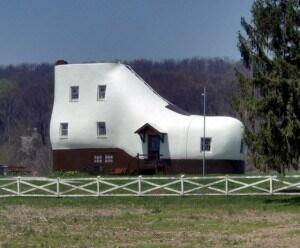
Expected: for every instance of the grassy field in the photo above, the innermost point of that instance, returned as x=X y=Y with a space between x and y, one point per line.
x=150 y=222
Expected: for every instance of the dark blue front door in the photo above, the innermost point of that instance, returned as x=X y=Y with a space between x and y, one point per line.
x=153 y=147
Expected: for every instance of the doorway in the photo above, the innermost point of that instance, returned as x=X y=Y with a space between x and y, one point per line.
x=153 y=147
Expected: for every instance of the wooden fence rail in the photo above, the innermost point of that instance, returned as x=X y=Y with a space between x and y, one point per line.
x=149 y=186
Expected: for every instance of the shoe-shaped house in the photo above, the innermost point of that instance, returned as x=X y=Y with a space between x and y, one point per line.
x=106 y=119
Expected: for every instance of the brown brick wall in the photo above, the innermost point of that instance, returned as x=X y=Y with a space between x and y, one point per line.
x=83 y=160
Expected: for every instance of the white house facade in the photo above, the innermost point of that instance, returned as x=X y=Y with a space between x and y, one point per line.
x=106 y=119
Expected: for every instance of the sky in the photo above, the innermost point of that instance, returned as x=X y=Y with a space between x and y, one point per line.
x=35 y=31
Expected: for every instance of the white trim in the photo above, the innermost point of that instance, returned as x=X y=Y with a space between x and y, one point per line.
x=102 y=137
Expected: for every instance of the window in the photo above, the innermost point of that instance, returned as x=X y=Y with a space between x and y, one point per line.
x=101 y=129
x=97 y=159
x=205 y=144
x=101 y=92
x=242 y=147
x=74 y=93
x=108 y=158
x=64 y=129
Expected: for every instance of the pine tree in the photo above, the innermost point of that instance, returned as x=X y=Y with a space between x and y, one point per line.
x=269 y=99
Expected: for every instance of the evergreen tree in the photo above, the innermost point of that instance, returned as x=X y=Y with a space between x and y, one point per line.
x=269 y=99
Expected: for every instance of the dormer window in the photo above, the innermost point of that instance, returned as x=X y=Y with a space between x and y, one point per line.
x=101 y=129
x=101 y=92
x=74 y=93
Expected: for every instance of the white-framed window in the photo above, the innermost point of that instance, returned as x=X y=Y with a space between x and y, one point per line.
x=205 y=144
x=101 y=92
x=63 y=131
x=101 y=128
x=98 y=159
x=108 y=158
x=74 y=93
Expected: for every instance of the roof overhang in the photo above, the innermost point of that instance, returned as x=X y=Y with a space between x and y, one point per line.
x=150 y=128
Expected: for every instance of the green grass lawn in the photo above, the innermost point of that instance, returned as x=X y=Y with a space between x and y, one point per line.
x=150 y=222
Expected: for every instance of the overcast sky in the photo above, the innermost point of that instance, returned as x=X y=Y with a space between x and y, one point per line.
x=98 y=30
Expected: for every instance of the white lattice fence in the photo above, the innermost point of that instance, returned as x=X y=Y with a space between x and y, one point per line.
x=149 y=186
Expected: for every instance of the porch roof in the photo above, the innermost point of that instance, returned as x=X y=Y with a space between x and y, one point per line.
x=150 y=127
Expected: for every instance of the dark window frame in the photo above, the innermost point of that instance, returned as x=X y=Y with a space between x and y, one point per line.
x=206 y=145
x=242 y=147
x=101 y=92
x=64 y=129
x=74 y=93
x=101 y=129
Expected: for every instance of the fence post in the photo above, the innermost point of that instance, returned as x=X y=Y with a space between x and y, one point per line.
x=18 y=185
x=140 y=185
x=226 y=184
x=182 y=185
x=98 y=185
x=271 y=185
x=57 y=186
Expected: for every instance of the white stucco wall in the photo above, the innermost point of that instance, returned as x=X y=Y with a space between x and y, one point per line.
x=130 y=103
